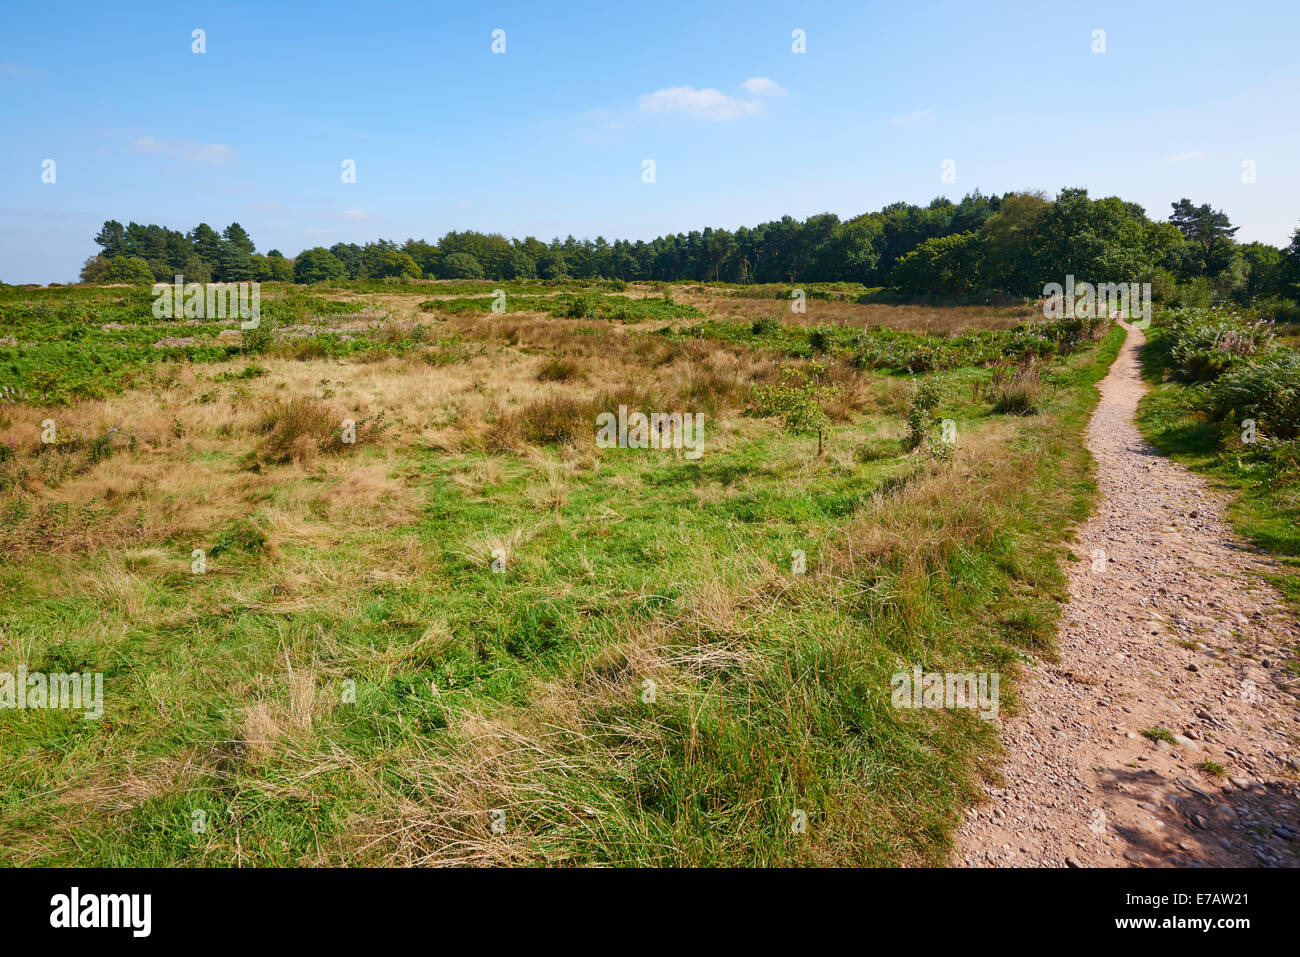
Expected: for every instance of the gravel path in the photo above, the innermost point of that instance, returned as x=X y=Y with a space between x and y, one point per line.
x=1171 y=626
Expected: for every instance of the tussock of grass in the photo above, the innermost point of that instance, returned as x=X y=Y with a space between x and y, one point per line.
x=559 y=369
x=300 y=429
x=1016 y=389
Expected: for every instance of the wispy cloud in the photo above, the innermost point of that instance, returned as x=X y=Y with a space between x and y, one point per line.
x=910 y=119
x=763 y=86
x=1179 y=157
x=192 y=151
x=706 y=104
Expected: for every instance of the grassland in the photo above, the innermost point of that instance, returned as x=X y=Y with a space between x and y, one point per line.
x=645 y=680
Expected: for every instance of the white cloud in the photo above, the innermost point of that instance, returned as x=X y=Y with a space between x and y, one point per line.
x=916 y=116
x=763 y=86
x=192 y=151
x=1179 y=157
x=359 y=214
x=706 y=104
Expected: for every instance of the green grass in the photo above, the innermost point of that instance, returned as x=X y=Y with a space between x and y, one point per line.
x=899 y=351
x=582 y=305
x=62 y=351
x=524 y=690
x=1160 y=734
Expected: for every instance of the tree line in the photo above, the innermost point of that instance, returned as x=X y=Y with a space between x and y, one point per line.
x=1013 y=244
x=136 y=253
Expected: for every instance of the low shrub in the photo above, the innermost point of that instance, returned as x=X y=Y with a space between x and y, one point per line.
x=298 y=429
x=559 y=369
x=923 y=421
x=1205 y=343
x=256 y=341
x=1266 y=390
x=1016 y=389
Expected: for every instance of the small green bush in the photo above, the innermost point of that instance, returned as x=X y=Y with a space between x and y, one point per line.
x=797 y=403
x=257 y=340
x=923 y=421
x=1205 y=343
x=1266 y=390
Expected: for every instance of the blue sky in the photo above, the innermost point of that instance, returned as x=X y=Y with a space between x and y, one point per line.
x=549 y=137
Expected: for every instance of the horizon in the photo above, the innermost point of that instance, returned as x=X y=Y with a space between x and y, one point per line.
x=448 y=135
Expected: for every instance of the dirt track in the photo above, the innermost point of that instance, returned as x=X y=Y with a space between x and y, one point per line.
x=1169 y=625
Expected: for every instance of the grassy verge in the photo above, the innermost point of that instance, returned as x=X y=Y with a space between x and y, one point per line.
x=1263 y=488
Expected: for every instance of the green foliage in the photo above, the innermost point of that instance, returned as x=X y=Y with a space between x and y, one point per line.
x=265 y=269
x=1009 y=247
x=202 y=255
x=1203 y=343
x=1159 y=734
x=131 y=269
x=583 y=306
x=317 y=265
x=587 y=304
x=1209 y=235
x=94 y=269
x=381 y=262
x=461 y=266
x=947 y=265
x=251 y=371
x=953 y=583
x=235 y=259
x=820 y=339
x=257 y=340
x=1012 y=244
x=797 y=402
x=1266 y=390
x=923 y=421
